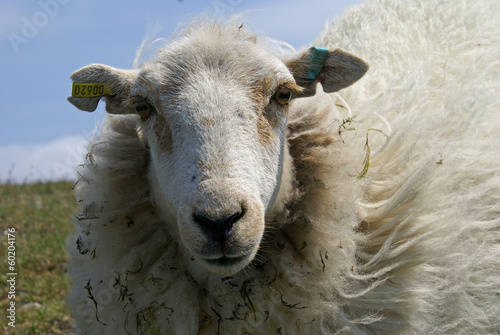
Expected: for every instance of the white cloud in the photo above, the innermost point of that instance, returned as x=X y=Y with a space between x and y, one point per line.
x=55 y=160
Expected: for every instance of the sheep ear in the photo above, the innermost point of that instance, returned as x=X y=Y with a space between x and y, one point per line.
x=96 y=81
x=335 y=70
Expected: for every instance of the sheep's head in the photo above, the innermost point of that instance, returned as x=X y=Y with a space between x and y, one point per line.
x=212 y=110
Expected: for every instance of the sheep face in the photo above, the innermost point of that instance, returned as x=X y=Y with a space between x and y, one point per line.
x=212 y=111
x=216 y=132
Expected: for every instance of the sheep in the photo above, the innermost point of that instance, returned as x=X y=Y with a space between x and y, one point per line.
x=232 y=190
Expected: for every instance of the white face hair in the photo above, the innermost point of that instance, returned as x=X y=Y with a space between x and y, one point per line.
x=212 y=110
x=215 y=154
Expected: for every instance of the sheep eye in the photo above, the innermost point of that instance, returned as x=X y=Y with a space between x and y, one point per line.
x=282 y=96
x=143 y=108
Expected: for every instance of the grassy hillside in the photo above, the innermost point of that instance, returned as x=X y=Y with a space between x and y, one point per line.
x=40 y=214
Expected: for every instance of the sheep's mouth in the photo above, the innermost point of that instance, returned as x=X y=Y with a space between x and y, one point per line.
x=225 y=261
x=226 y=265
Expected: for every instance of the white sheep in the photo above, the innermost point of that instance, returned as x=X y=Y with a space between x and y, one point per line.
x=225 y=195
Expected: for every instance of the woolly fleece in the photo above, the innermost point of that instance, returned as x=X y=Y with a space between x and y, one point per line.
x=397 y=224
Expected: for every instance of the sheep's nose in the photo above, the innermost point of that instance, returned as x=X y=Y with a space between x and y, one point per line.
x=217 y=229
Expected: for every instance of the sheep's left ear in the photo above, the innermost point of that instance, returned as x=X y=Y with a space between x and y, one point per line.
x=335 y=70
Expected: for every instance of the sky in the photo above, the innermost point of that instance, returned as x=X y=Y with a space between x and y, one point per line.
x=42 y=136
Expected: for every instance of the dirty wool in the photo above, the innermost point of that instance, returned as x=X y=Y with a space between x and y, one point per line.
x=236 y=190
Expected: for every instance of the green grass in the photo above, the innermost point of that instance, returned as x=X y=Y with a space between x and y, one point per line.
x=40 y=214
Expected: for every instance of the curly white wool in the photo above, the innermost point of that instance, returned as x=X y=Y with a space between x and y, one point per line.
x=394 y=226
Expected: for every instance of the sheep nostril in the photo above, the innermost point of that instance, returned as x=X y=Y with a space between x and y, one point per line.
x=217 y=228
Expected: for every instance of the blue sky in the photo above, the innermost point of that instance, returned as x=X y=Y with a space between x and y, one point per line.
x=42 y=136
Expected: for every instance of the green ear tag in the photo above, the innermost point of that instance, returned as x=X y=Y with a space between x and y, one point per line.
x=90 y=90
x=317 y=61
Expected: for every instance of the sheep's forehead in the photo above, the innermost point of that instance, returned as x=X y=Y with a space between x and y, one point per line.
x=194 y=62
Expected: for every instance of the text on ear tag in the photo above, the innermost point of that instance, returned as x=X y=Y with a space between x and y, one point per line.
x=90 y=90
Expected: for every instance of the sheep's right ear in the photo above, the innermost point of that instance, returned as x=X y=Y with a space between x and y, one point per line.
x=96 y=81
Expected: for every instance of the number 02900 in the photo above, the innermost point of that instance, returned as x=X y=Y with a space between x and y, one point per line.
x=90 y=90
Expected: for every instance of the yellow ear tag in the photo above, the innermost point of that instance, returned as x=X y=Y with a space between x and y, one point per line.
x=90 y=90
